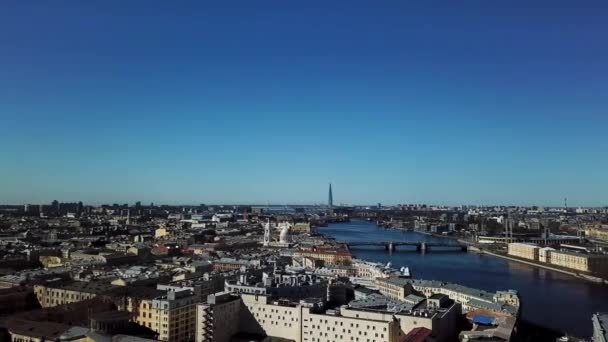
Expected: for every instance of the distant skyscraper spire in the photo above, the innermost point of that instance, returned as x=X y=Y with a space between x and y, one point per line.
x=330 y=200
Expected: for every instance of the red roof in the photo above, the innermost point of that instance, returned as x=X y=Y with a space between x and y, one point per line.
x=416 y=335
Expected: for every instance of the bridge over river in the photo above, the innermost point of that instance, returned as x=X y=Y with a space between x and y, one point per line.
x=391 y=246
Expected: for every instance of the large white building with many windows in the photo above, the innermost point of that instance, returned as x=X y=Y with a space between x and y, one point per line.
x=374 y=319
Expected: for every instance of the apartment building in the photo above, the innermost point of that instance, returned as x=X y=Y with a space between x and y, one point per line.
x=201 y=286
x=376 y=319
x=280 y=284
x=331 y=256
x=218 y=319
x=301 y=227
x=523 y=250
x=229 y=264
x=172 y=315
x=593 y=263
x=597 y=233
x=469 y=298
x=65 y=292
x=349 y=325
x=394 y=288
x=370 y=270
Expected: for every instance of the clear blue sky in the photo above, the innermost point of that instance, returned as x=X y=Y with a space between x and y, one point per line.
x=480 y=102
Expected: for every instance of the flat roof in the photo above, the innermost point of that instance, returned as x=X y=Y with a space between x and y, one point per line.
x=46 y=330
x=83 y=286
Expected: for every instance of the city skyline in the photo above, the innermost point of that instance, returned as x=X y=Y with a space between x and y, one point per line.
x=318 y=171
x=329 y=203
x=401 y=103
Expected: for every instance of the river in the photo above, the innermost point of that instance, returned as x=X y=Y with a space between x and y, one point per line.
x=550 y=299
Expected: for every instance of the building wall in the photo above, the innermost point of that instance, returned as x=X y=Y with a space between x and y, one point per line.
x=523 y=250
x=599 y=265
x=275 y=320
x=226 y=266
x=301 y=228
x=544 y=254
x=391 y=290
x=218 y=322
x=597 y=234
x=596 y=264
x=368 y=271
x=330 y=257
x=173 y=320
x=399 y=292
x=49 y=297
x=301 y=323
x=369 y=326
x=579 y=262
x=599 y=332
x=22 y=338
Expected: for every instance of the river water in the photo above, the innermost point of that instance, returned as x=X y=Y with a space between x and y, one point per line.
x=551 y=299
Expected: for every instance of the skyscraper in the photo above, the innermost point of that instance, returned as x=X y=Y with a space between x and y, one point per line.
x=330 y=200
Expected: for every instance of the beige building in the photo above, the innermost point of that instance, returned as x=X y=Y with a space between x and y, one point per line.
x=307 y=321
x=593 y=263
x=257 y=314
x=62 y=292
x=330 y=256
x=302 y=227
x=228 y=264
x=160 y=233
x=523 y=250
x=172 y=316
x=350 y=325
x=368 y=270
x=50 y=261
x=597 y=233
x=544 y=254
x=393 y=288
x=504 y=302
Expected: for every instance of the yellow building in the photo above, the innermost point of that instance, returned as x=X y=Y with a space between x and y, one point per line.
x=50 y=261
x=331 y=256
x=597 y=233
x=161 y=233
x=61 y=292
x=394 y=288
x=592 y=263
x=523 y=250
x=302 y=227
x=172 y=315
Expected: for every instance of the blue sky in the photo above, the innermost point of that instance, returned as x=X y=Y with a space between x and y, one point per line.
x=480 y=102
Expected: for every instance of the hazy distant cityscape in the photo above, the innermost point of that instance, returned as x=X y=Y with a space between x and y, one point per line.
x=72 y=271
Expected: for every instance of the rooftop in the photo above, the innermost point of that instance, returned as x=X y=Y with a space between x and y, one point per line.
x=38 y=329
x=83 y=286
x=379 y=302
x=602 y=319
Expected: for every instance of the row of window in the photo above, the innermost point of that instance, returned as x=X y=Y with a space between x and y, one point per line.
x=339 y=337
